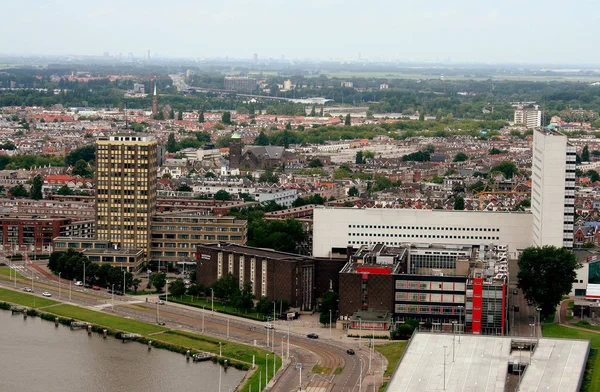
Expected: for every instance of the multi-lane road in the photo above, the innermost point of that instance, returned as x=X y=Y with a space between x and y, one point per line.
x=330 y=355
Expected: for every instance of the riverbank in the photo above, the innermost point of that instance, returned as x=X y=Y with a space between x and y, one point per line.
x=238 y=355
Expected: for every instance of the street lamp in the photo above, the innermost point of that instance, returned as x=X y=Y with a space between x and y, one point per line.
x=220 y=351
x=539 y=321
x=360 y=375
x=460 y=327
x=124 y=288
x=267 y=369
x=212 y=295
x=329 y=324
x=59 y=285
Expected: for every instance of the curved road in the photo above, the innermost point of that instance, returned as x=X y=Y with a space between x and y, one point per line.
x=306 y=351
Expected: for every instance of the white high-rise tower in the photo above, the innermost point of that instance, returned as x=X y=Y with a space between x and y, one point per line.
x=553 y=189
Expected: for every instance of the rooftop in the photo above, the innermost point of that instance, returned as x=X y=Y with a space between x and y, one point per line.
x=481 y=363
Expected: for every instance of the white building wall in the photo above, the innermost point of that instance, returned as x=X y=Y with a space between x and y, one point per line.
x=342 y=227
x=551 y=198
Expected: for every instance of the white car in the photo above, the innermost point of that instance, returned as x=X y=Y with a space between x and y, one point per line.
x=27 y=289
x=46 y=294
x=160 y=302
x=79 y=283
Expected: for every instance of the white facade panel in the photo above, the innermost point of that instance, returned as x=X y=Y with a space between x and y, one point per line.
x=342 y=227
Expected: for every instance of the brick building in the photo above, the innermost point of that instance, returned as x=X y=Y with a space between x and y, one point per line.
x=29 y=233
x=276 y=275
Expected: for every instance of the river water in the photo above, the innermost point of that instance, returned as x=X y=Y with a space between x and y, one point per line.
x=37 y=356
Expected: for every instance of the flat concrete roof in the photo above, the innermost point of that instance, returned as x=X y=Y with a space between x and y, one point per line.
x=481 y=363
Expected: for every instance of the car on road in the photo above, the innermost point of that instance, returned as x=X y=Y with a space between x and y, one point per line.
x=79 y=283
x=160 y=302
x=95 y=288
x=117 y=292
x=27 y=289
x=350 y=352
x=312 y=336
x=46 y=294
x=269 y=326
x=87 y=286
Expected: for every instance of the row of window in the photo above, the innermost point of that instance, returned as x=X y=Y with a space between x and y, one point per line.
x=427 y=309
x=430 y=297
x=426 y=285
x=464 y=237
x=439 y=228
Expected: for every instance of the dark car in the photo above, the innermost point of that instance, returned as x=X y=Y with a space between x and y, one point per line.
x=87 y=286
x=117 y=292
x=312 y=336
x=350 y=351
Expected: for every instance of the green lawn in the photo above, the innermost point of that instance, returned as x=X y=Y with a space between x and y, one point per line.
x=24 y=299
x=592 y=377
x=393 y=352
x=219 y=306
x=105 y=320
x=5 y=271
x=232 y=350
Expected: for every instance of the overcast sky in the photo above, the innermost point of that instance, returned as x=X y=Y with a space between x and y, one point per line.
x=494 y=31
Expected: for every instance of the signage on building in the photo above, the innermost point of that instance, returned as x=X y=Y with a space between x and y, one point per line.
x=205 y=257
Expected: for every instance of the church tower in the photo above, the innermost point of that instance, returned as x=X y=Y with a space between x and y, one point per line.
x=235 y=151
x=154 y=102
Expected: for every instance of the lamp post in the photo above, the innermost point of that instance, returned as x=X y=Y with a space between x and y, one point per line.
x=460 y=310
x=288 y=342
x=266 y=369
x=70 y=291
x=59 y=285
x=220 y=371
x=220 y=351
x=539 y=322
x=445 y=367
x=212 y=298
x=84 y=276
x=329 y=324
x=167 y=291
x=202 y=319
x=124 y=288
x=113 y=297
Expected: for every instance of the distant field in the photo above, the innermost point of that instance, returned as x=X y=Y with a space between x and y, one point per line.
x=417 y=76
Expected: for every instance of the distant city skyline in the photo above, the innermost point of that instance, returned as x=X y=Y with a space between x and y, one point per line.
x=481 y=31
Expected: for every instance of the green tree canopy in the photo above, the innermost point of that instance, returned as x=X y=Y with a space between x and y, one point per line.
x=353 y=191
x=171 y=143
x=36 y=187
x=64 y=191
x=222 y=195
x=509 y=169
x=546 y=274
x=460 y=157
x=225 y=287
x=329 y=302
x=593 y=175
x=87 y=153
x=81 y=169
x=261 y=140
x=177 y=286
x=201 y=117
x=226 y=117
x=585 y=154
x=459 y=203
x=348 y=120
x=359 y=158
x=315 y=163
x=158 y=280
x=19 y=191
x=183 y=187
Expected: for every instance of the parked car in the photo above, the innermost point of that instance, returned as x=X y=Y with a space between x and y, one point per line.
x=350 y=351
x=117 y=292
x=46 y=294
x=160 y=302
x=28 y=289
x=79 y=283
x=312 y=336
x=95 y=288
x=88 y=286
x=269 y=326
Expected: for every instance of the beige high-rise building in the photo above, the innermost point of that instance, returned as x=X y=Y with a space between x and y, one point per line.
x=126 y=167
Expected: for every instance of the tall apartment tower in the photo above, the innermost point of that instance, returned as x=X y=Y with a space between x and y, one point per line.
x=235 y=151
x=530 y=117
x=553 y=189
x=154 y=102
x=126 y=169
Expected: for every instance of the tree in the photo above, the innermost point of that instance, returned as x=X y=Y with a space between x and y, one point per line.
x=171 y=143
x=328 y=303
x=348 y=120
x=359 y=158
x=243 y=299
x=264 y=306
x=496 y=151
x=180 y=115
x=36 y=187
x=177 y=287
x=81 y=169
x=222 y=195
x=593 y=175
x=136 y=284
x=269 y=177
x=509 y=169
x=183 y=187
x=315 y=163
x=546 y=274
x=87 y=153
x=261 y=139
x=159 y=280
x=19 y=191
x=64 y=191
x=459 y=203
x=201 y=117
x=353 y=191
x=225 y=287
x=585 y=154
x=313 y=112
x=172 y=114
x=226 y=118
x=460 y=157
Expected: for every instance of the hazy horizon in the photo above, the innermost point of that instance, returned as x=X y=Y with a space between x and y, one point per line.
x=464 y=31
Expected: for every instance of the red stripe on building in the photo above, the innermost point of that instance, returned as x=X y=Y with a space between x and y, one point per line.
x=477 y=303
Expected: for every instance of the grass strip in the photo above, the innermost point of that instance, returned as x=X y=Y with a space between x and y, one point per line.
x=31 y=301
